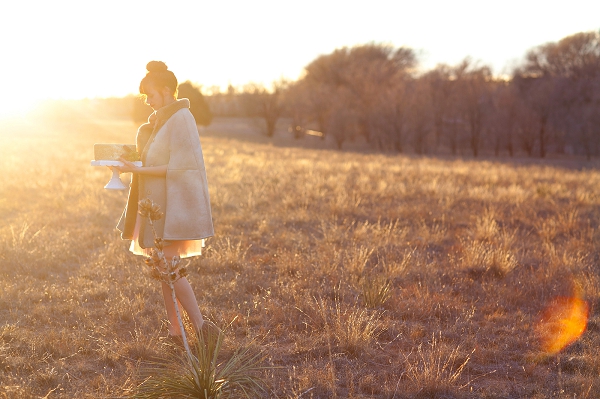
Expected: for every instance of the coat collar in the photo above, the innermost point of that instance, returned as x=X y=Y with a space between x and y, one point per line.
x=164 y=113
x=161 y=116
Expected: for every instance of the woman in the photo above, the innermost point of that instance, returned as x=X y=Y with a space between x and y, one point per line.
x=172 y=176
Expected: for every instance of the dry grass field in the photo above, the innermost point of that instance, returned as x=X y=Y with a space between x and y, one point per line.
x=360 y=275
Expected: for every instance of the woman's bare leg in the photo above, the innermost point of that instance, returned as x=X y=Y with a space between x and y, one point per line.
x=187 y=299
x=171 y=313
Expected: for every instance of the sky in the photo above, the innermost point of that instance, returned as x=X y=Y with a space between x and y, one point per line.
x=88 y=48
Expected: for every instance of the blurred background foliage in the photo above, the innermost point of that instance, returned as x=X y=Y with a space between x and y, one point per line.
x=377 y=95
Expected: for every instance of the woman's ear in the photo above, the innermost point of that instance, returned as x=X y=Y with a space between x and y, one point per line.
x=166 y=92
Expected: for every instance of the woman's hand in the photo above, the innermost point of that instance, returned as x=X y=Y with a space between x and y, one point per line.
x=128 y=167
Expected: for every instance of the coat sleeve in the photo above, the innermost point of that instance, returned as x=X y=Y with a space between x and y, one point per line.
x=126 y=224
x=187 y=214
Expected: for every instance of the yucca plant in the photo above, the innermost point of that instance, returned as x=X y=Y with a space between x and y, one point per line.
x=161 y=269
x=199 y=375
x=203 y=376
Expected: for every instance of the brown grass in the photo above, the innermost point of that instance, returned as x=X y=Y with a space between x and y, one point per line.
x=361 y=275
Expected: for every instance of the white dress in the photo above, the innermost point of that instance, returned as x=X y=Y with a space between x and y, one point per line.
x=181 y=248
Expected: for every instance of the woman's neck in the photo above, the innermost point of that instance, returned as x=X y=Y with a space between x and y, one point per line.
x=169 y=100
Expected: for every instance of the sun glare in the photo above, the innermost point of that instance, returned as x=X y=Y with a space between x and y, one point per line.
x=17 y=108
x=562 y=323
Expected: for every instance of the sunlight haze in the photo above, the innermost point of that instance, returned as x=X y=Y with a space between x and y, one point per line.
x=74 y=49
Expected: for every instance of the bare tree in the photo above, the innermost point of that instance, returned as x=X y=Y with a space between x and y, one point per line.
x=297 y=105
x=320 y=105
x=507 y=105
x=342 y=121
x=496 y=122
x=420 y=116
x=387 y=119
x=581 y=118
x=364 y=72
x=441 y=84
x=539 y=96
x=576 y=56
x=526 y=129
x=556 y=79
x=266 y=104
x=459 y=98
x=474 y=83
x=198 y=106
x=398 y=110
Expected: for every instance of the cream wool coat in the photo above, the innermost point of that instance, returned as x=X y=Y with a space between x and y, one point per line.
x=183 y=193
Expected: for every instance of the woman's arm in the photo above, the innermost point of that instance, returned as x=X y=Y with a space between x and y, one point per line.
x=128 y=167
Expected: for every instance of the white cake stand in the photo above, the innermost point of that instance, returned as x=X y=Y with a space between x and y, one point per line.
x=115 y=182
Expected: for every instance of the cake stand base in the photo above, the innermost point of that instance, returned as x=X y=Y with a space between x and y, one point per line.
x=115 y=182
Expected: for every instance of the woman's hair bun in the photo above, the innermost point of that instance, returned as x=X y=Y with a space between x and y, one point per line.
x=158 y=76
x=156 y=66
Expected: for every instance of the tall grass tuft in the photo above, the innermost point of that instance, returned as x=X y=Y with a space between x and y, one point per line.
x=376 y=291
x=356 y=261
x=354 y=330
x=436 y=369
x=228 y=254
x=484 y=258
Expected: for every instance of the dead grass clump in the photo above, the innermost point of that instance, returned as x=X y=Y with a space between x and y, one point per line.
x=20 y=247
x=4 y=358
x=376 y=291
x=435 y=369
x=481 y=258
x=312 y=381
x=352 y=330
x=382 y=233
x=140 y=347
x=431 y=233
x=356 y=330
x=394 y=262
x=486 y=227
x=222 y=253
x=333 y=233
x=562 y=262
x=355 y=261
x=46 y=379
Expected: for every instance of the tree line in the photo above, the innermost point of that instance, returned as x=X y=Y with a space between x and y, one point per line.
x=550 y=103
x=130 y=107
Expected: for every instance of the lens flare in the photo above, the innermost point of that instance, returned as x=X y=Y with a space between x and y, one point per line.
x=562 y=323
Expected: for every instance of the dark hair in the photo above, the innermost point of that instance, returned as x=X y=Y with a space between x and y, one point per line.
x=158 y=76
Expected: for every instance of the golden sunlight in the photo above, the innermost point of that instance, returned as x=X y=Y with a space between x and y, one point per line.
x=562 y=323
x=16 y=108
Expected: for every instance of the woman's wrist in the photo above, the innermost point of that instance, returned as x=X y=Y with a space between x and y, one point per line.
x=151 y=170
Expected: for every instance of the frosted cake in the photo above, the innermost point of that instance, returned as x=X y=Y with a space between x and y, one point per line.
x=112 y=152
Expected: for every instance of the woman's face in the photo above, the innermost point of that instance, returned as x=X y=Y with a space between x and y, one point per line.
x=155 y=98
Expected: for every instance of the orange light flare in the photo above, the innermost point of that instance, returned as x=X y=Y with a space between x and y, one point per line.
x=562 y=323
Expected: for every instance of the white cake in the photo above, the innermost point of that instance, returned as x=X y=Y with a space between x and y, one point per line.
x=112 y=152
